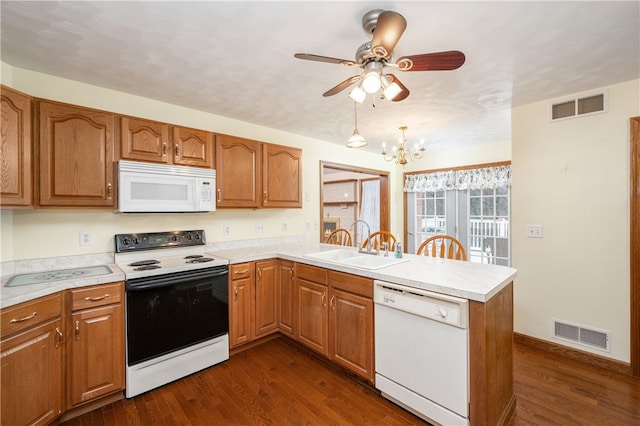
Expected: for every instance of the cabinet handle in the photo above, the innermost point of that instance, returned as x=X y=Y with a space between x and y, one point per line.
x=291 y=271
x=109 y=190
x=77 y=330
x=219 y=194
x=177 y=150
x=164 y=148
x=235 y=293
x=264 y=196
x=244 y=271
x=259 y=274
x=331 y=303
x=59 y=334
x=323 y=297
x=28 y=317
x=95 y=299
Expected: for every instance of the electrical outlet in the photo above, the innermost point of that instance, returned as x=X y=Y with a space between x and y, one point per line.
x=316 y=225
x=534 y=231
x=259 y=228
x=226 y=229
x=307 y=226
x=86 y=238
x=284 y=226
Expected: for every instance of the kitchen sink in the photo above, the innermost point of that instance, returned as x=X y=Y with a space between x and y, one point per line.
x=372 y=262
x=356 y=259
x=333 y=255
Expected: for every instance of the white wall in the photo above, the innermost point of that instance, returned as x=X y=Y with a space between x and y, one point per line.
x=572 y=177
x=29 y=234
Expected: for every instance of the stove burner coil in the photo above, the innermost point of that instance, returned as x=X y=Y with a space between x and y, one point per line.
x=147 y=267
x=145 y=262
x=200 y=260
x=194 y=256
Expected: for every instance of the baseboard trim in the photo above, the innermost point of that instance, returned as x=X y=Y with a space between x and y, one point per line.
x=594 y=360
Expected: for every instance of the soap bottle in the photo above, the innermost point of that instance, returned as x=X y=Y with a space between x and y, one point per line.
x=398 y=253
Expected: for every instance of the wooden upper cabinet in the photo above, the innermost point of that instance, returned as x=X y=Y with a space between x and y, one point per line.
x=238 y=169
x=144 y=140
x=15 y=149
x=281 y=176
x=192 y=147
x=77 y=154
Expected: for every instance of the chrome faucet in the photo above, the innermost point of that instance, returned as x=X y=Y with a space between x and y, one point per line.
x=368 y=249
x=385 y=247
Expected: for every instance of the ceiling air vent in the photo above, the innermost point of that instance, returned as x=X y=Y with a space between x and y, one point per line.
x=586 y=336
x=579 y=106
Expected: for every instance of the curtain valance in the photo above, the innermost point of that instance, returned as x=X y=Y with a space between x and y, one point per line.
x=482 y=178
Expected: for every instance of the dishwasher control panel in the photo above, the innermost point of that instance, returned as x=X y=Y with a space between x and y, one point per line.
x=435 y=306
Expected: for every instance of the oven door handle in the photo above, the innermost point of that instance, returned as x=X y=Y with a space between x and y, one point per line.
x=146 y=283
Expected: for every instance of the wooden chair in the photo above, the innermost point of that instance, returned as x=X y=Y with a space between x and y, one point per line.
x=379 y=237
x=443 y=246
x=340 y=237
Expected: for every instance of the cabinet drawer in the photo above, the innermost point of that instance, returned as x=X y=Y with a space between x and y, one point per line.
x=240 y=270
x=28 y=314
x=352 y=283
x=311 y=273
x=99 y=295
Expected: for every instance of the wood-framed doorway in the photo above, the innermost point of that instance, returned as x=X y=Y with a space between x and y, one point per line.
x=635 y=246
x=385 y=200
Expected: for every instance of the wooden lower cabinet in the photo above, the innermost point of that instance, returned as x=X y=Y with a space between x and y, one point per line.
x=266 y=301
x=96 y=361
x=335 y=317
x=241 y=295
x=287 y=297
x=351 y=323
x=32 y=362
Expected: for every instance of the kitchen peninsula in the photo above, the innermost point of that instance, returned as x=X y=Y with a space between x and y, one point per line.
x=488 y=289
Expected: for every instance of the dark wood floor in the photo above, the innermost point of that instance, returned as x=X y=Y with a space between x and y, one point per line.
x=276 y=383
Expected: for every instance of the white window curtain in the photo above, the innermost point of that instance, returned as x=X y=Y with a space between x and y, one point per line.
x=370 y=206
x=483 y=178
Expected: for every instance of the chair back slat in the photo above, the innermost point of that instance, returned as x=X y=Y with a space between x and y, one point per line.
x=341 y=237
x=443 y=246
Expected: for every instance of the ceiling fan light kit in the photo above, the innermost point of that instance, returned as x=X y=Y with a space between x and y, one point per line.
x=385 y=29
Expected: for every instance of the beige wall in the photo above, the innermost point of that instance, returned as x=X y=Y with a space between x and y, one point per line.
x=572 y=177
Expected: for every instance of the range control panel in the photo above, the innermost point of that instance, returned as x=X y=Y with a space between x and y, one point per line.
x=158 y=240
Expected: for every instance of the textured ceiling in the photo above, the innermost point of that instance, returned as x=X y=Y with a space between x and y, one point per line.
x=235 y=59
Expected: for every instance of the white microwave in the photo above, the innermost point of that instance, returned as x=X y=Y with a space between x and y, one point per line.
x=160 y=188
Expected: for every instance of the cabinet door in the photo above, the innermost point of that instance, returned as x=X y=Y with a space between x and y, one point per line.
x=281 y=176
x=193 y=147
x=286 y=297
x=76 y=156
x=351 y=331
x=240 y=311
x=313 y=324
x=144 y=140
x=15 y=149
x=31 y=376
x=266 y=301
x=238 y=168
x=97 y=361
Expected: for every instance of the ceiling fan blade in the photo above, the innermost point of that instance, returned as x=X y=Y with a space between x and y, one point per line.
x=341 y=86
x=389 y=28
x=318 y=58
x=405 y=92
x=440 y=61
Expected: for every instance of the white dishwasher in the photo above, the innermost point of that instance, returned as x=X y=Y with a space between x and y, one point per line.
x=421 y=352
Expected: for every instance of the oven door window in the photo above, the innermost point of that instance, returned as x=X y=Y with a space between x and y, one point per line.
x=170 y=317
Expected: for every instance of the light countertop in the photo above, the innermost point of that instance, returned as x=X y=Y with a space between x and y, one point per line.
x=467 y=280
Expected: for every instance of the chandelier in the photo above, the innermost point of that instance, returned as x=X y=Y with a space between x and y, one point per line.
x=402 y=154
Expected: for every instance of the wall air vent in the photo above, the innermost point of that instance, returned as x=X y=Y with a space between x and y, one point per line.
x=582 y=335
x=594 y=103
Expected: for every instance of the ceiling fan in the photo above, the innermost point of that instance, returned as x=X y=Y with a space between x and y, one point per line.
x=374 y=56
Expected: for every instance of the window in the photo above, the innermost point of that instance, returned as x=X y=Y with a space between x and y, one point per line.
x=472 y=205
